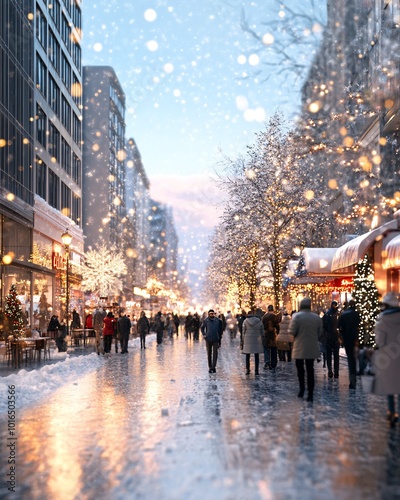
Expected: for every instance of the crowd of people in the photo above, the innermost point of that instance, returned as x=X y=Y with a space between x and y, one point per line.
x=303 y=336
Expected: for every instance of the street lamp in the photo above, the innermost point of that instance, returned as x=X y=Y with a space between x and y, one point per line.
x=66 y=238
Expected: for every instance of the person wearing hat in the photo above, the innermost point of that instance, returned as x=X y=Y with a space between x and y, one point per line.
x=306 y=328
x=386 y=360
x=331 y=333
x=211 y=329
x=349 y=321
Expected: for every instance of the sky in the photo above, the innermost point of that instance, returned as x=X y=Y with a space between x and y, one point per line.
x=198 y=87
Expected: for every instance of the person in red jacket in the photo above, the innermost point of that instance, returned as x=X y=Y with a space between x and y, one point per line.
x=108 y=331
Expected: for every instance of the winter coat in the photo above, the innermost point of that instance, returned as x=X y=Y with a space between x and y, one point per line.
x=212 y=329
x=386 y=359
x=284 y=335
x=306 y=328
x=348 y=324
x=271 y=327
x=124 y=325
x=143 y=326
x=253 y=334
x=109 y=326
x=98 y=318
x=89 y=322
x=330 y=325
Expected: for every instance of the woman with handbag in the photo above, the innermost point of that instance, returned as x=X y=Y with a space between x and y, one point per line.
x=386 y=359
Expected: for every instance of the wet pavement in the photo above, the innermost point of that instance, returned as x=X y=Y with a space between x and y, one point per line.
x=155 y=424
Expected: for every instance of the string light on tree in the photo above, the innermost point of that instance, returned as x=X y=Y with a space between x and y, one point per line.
x=366 y=296
x=13 y=311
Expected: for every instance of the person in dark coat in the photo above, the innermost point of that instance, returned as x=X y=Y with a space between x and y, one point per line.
x=159 y=323
x=331 y=332
x=54 y=326
x=306 y=328
x=271 y=322
x=348 y=323
x=252 y=335
x=124 y=329
x=143 y=328
x=211 y=329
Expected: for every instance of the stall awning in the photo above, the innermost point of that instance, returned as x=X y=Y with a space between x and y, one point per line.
x=355 y=250
x=392 y=249
x=318 y=260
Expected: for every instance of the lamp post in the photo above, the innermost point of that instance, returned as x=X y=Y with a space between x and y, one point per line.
x=66 y=238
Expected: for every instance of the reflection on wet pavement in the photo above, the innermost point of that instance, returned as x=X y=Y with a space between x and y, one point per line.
x=155 y=423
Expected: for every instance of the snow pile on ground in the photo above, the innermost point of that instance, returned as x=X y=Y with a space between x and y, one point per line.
x=33 y=385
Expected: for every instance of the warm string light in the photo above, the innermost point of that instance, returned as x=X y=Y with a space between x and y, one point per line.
x=366 y=296
x=13 y=311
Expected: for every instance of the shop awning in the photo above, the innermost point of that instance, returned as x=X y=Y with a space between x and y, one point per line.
x=392 y=249
x=318 y=260
x=355 y=250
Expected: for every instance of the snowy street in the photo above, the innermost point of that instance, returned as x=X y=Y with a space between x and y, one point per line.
x=155 y=424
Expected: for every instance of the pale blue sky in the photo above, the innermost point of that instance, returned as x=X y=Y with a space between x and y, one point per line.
x=183 y=67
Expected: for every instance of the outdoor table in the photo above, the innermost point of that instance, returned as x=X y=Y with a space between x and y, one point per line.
x=16 y=348
x=78 y=334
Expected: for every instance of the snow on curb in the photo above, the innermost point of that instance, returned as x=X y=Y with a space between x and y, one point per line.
x=34 y=385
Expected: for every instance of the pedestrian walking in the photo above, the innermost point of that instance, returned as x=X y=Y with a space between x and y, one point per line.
x=284 y=340
x=211 y=329
x=159 y=323
x=98 y=323
x=331 y=332
x=108 y=331
x=386 y=359
x=123 y=330
x=252 y=340
x=306 y=328
x=176 y=323
x=271 y=322
x=143 y=327
x=348 y=323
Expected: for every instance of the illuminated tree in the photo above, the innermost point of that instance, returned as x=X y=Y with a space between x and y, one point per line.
x=13 y=311
x=102 y=271
x=273 y=204
x=366 y=296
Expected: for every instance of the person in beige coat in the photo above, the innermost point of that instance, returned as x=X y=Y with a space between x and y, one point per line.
x=284 y=340
x=386 y=360
x=252 y=340
x=306 y=328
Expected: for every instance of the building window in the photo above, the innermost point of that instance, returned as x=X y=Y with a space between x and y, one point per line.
x=41 y=27
x=54 y=9
x=65 y=156
x=54 y=51
x=66 y=114
x=76 y=91
x=54 y=142
x=41 y=120
x=66 y=32
x=41 y=75
x=76 y=209
x=77 y=16
x=77 y=130
x=41 y=178
x=54 y=96
x=77 y=55
x=66 y=71
x=54 y=190
x=76 y=169
x=65 y=200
